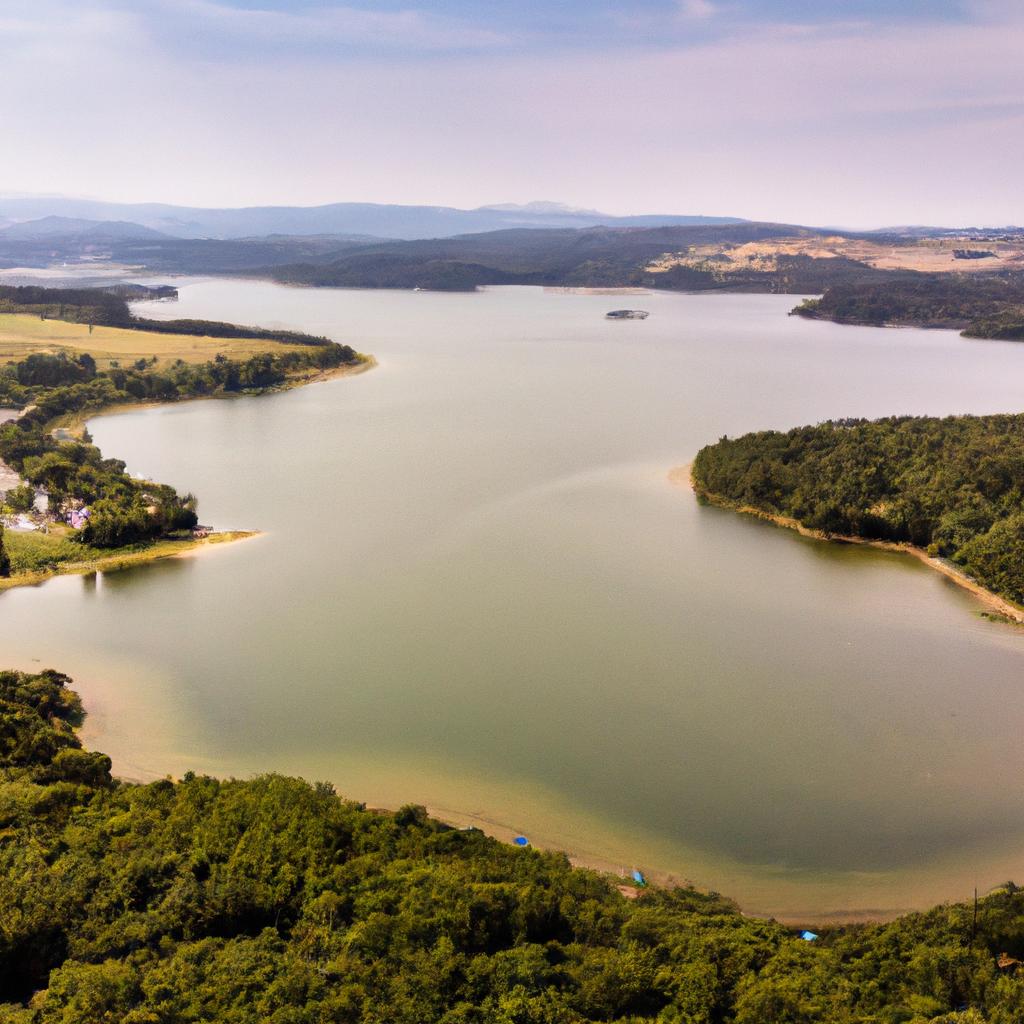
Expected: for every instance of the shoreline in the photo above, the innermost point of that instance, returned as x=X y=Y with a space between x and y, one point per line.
x=119 y=560
x=682 y=476
x=74 y=423
x=888 y=325
x=655 y=878
x=615 y=870
x=505 y=834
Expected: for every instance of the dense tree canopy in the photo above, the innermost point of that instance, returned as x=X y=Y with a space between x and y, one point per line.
x=275 y=900
x=954 y=486
x=985 y=305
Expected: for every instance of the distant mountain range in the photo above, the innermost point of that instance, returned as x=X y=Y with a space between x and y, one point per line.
x=39 y=216
x=77 y=229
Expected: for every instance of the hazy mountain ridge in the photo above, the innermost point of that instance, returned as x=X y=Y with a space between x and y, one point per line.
x=78 y=228
x=379 y=220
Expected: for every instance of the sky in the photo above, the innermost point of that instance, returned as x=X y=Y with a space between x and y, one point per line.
x=858 y=113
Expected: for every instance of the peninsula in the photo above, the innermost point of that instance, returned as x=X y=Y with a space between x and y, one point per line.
x=74 y=353
x=979 y=305
x=949 y=490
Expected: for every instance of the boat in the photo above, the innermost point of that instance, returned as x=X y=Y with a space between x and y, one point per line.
x=627 y=314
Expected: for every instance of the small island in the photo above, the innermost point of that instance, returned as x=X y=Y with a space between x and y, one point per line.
x=949 y=490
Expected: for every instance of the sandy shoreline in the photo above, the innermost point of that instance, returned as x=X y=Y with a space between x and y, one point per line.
x=682 y=476
x=617 y=872
x=115 y=562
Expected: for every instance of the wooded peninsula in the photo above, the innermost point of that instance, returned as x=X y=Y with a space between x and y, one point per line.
x=953 y=487
x=96 y=514
x=982 y=306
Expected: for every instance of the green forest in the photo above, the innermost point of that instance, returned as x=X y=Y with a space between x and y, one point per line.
x=983 y=305
x=953 y=486
x=276 y=900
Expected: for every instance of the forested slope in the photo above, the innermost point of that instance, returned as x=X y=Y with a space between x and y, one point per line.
x=982 y=305
x=275 y=900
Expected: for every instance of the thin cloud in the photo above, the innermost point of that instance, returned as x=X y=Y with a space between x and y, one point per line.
x=330 y=27
x=858 y=123
x=697 y=10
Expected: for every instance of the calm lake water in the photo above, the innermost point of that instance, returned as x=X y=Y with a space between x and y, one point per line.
x=478 y=590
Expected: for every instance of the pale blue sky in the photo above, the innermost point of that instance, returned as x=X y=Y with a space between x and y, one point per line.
x=860 y=112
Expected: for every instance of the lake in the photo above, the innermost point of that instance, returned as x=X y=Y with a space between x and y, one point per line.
x=478 y=590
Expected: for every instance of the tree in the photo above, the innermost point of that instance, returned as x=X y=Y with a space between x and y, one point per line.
x=20 y=498
x=5 y=560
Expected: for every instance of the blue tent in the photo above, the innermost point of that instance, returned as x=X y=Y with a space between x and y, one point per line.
x=639 y=878
x=808 y=936
x=521 y=841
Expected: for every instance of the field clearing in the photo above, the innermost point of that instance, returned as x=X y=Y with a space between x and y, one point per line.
x=36 y=557
x=930 y=255
x=23 y=334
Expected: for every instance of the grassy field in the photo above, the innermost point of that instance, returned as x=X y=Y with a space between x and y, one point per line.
x=38 y=556
x=21 y=335
x=928 y=255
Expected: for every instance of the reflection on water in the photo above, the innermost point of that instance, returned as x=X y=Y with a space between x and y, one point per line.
x=477 y=590
x=127 y=581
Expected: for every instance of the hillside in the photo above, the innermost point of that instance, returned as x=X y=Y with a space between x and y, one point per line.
x=737 y=256
x=107 y=307
x=595 y=257
x=70 y=229
x=273 y=899
x=984 y=306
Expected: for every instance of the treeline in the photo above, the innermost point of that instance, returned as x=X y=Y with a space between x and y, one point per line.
x=76 y=305
x=109 y=308
x=59 y=383
x=954 y=486
x=984 y=305
x=1005 y=326
x=383 y=271
x=275 y=900
x=218 y=329
x=123 y=510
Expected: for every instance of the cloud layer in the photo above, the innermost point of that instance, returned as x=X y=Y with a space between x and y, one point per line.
x=713 y=107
